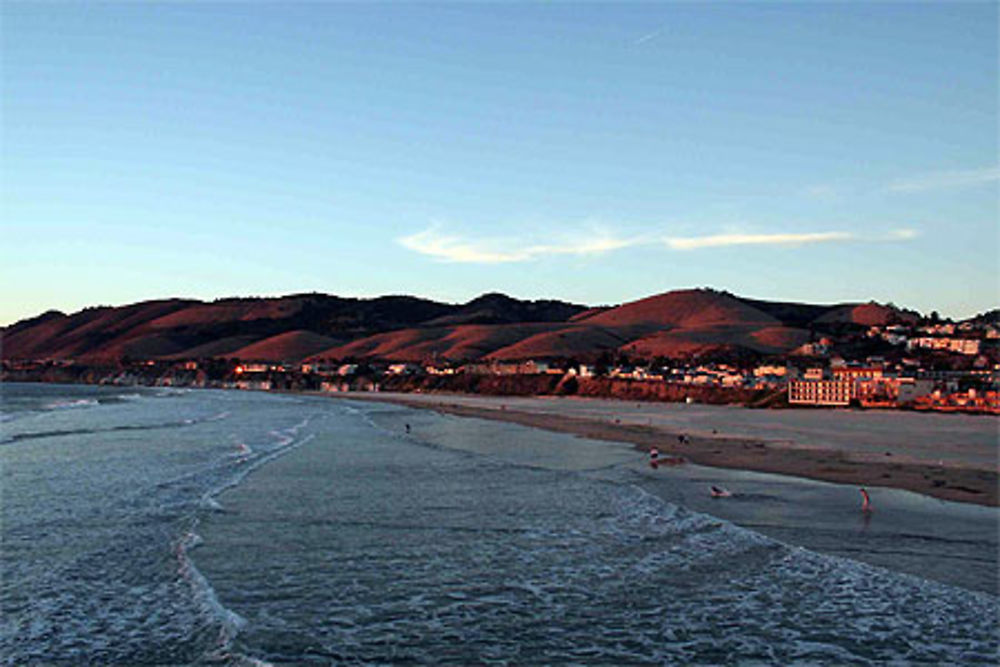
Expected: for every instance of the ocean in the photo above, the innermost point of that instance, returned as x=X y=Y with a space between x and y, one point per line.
x=171 y=526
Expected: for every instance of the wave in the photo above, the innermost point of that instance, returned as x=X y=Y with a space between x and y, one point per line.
x=205 y=597
x=76 y=403
x=230 y=623
x=56 y=433
x=73 y=403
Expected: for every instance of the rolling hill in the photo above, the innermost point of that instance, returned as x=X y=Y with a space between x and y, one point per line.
x=404 y=328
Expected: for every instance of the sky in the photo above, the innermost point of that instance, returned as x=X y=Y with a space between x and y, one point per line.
x=592 y=153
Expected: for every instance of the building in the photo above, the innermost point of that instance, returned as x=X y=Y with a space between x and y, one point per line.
x=403 y=369
x=774 y=370
x=819 y=349
x=583 y=370
x=968 y=346
x=821 y=392
x=334 y=386
x=318 y=367
x=857 y=373
x=815 y=373
x=891 y=391
x=253 y=385
x=530 y=367
x=253 y=368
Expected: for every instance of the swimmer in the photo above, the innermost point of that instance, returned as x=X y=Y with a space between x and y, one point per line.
x=407 y=428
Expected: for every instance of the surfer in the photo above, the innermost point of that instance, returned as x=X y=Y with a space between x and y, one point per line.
x=719 y=492
x=866 y=504
x=407 y=428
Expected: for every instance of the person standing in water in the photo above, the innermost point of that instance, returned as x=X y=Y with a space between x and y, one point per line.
x=866 y=504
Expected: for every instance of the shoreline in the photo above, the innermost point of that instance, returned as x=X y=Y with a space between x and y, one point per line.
x=956 y=483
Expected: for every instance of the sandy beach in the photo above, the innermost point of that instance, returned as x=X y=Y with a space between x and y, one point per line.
x=959 y=473
x=461 y=537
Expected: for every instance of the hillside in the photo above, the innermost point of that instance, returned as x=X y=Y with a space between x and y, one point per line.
x=867 y=314
x=290 y=346
x=404 y=328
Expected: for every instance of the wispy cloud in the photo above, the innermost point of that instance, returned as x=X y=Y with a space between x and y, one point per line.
x=449 y=248
x=901 y=235
x=648 y=36
x=946 y=179
x=444 y=247
x=722 y=240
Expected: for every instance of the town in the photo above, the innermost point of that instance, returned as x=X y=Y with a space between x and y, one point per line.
x=939 y=366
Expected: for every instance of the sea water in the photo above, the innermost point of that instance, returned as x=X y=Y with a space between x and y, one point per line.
x=170 y=526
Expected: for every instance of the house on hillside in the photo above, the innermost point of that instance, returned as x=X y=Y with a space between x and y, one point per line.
x=968 y=346
x=817 y=349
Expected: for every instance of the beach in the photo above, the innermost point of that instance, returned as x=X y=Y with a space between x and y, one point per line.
x=951 y=457
x=953 y=542
x=168 y=526
x=468 y=540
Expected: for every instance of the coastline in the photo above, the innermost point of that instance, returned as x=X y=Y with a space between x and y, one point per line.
x=955 y=482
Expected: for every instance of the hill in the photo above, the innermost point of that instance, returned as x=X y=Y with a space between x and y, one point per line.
x=290 y=346
x=404 y=328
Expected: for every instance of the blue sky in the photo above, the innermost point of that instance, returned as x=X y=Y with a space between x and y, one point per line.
x=593 y=153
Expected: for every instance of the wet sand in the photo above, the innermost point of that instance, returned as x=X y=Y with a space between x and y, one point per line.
x=951 y=542
x=967 y=481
